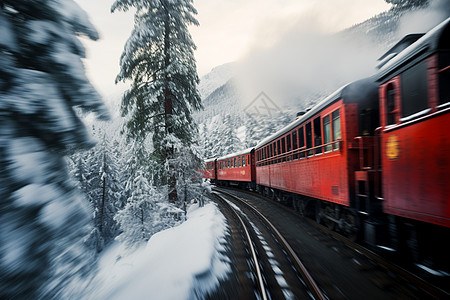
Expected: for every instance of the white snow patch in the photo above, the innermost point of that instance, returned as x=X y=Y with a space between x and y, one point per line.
x=184 y=262
x=240 y=133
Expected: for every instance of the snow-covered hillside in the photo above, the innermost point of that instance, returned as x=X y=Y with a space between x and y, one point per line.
x=214 y=79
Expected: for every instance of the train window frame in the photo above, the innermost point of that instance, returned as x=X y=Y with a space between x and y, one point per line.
x=309 y=139
x=239 y=162
x=414 y=89
x=301 y=140
x=294 y=143
x=391 y=104
x=326 y=123
x=317 y=129
x=336 y=130
x=288 y=143
x=443 y=77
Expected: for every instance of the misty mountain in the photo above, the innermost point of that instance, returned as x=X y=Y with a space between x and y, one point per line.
x=305 y=66
x=216 y=78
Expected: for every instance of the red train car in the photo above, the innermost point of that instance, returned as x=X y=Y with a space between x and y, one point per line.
x=415 y=139
x=237 y=168
x=315 y=156
x=210 y=171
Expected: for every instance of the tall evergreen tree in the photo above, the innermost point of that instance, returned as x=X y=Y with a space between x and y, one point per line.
x=42 y=79
x=407 y=4
x=159 y=60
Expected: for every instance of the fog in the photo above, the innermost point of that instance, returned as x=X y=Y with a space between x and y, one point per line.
x=305 y=61
x=424 y=20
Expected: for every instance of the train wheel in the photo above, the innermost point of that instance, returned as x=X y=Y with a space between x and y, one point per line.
x=351 y=225
x=318 y=213
x=329 y=211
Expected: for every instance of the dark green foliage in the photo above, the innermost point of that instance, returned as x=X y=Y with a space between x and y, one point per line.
x=407 y=4
x=43 y=219
x=159 y=60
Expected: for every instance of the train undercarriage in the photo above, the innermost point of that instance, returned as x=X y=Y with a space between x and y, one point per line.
x=406 y=240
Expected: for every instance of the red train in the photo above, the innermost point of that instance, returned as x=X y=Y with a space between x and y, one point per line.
x=372 y=159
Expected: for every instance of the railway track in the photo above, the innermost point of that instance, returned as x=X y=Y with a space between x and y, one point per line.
x=278 y=271
x=385 y=274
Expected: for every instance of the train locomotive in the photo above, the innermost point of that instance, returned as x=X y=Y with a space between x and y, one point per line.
x=372 y=159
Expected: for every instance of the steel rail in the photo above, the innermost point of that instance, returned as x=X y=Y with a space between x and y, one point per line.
x=260 y=280
x=430 y=289
x=317 y=293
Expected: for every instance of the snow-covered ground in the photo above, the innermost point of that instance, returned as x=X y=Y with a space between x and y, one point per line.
x=184 y=262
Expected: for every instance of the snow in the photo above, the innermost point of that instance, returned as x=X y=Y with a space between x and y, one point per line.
x=183 y=262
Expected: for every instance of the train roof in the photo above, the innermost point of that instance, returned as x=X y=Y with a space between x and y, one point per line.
x=423 y=47
x=356 y=91
x=210 y=159
x=242 y=152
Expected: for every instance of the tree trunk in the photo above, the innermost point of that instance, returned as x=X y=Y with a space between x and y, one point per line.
x=168 y=111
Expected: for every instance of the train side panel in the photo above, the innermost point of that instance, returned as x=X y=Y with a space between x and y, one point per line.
x=416 y=169
x=229 y=172
x=328 y=175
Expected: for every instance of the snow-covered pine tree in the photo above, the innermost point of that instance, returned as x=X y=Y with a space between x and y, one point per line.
x=407 y=4
x=223 y=138
x=159 y=60
x=42 y=79
x=140 y=213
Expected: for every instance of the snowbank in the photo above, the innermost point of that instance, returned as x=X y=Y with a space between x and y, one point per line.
x=184 y=262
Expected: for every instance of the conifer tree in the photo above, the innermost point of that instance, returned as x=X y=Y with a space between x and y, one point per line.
x=42 y=79
x=407 y=4
x=158 y=59
x=137 y=220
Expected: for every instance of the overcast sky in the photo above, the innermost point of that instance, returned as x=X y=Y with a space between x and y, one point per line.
x=228 y=29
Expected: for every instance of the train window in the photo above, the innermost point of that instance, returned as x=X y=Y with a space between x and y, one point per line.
x=327 y=133
x=294 y=143
x=414 y=89
x=309 y=145
x=444 y=76
x=283 y=145
x=235 y=162
x=390 y=105
x=266 y=150
x=301 y=141
x=317 y=135
x=270 y=150
x=243 y=161
x=294 y=140
x=336 y=128
x=279 y=147
x=239 y=162
x=288 y=142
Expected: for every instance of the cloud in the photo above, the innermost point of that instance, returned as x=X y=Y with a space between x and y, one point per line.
x=306 y=59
